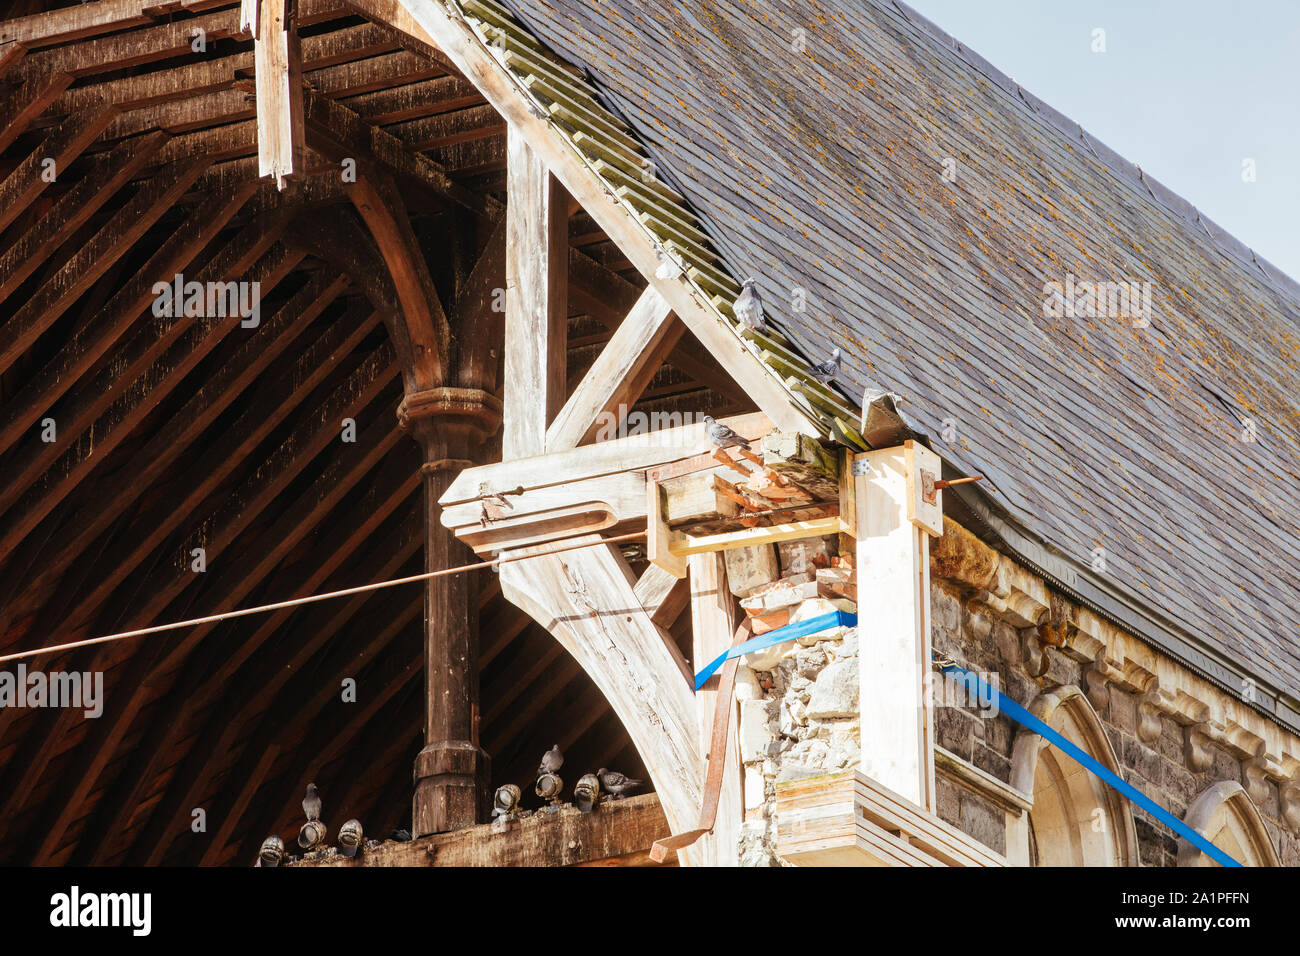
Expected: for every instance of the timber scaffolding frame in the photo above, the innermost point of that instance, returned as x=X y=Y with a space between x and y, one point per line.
x=196 y=461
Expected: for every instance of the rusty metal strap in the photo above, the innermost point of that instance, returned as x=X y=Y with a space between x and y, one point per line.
x=717 y=760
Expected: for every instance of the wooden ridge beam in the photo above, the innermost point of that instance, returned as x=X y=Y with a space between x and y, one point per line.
x=87 y=20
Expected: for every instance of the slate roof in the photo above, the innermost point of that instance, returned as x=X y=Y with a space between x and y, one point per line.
x=818 y=165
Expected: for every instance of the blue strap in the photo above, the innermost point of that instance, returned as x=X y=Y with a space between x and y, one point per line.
x=1017 y=713
x=778 y=636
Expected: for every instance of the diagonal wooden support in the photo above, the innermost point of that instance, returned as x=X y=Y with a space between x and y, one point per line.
x=620 y=373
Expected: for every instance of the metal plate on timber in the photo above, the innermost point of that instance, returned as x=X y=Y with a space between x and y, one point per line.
x=923 y=510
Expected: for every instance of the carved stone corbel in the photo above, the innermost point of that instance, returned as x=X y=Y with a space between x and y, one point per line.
x=1148 y=715
x=1289 y=792
x=1196 y=748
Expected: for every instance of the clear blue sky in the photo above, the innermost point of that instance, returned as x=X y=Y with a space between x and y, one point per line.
x=1186 y=89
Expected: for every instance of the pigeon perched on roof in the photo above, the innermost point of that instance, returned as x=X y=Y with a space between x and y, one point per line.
x=722 y=436
x=552 y=760
x=826 y=372
x=749 y=308
x=402 y=835
x=616 y=783
x=311 y=803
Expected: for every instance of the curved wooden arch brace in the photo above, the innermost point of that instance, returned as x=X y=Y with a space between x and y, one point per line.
x=1200 y=816
x=1027 y=747
x=585 y=599
x=424 y=326
x=422 y=337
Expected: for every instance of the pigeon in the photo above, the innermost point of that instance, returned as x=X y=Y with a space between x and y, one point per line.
x=350 y=838
x=586 y=794
x=402 y=835
x=311 y=803
x=825 y=372
x=748 y=308
x=505 y=801
x=722 y=436
x=552 y=760
x=616 y=783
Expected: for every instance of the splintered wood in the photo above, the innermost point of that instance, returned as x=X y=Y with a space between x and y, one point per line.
x=734 y=497
x=277 y=61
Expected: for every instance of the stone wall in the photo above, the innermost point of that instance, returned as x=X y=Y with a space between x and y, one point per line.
x=799 y=701
x=1151 y=748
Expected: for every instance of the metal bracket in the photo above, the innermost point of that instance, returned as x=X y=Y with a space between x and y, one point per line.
x=860 y=467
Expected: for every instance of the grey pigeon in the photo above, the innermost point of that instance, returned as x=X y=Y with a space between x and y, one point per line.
x=749 y=308
x=586 y=794
x=616 y=783
x=552 y=760
x=721 y=435
x=402 y=835
x=311 y=803
x=825 y=372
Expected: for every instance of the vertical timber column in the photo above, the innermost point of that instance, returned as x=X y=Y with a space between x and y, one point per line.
x=537 y=308
x=893 y=569
x=713 y=625
x=277 y=61
x=452 y=771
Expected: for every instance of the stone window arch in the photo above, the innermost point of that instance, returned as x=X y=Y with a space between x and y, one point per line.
x=1076 y=819
x=1226 y=816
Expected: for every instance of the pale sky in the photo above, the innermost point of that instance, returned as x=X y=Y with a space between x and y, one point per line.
x=1187 y=89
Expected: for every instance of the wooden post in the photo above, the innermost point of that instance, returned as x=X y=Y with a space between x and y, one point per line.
x=277 y=62
x=537 y=269
x=712 y=614
x=893 y=566
x=451 y=772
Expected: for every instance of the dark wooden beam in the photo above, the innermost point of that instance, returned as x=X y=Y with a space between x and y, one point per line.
x=622 y=830
x=74 y=208
x=116 y=237
x=64 y=144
